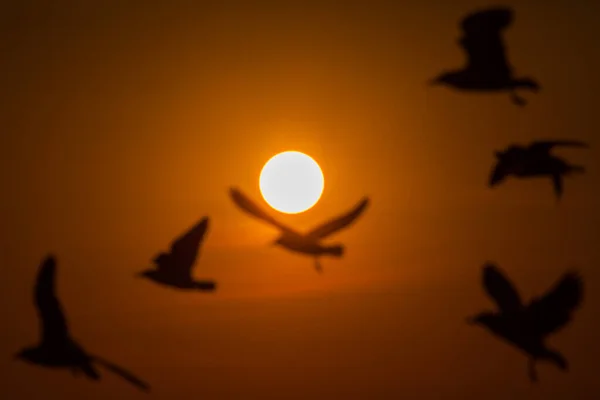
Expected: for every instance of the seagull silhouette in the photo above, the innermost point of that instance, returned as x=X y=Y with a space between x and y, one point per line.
x=487 y=67
x=308 y=243
x=535 y=160
x=527 y=326
x=174 y=269
x=57 y=349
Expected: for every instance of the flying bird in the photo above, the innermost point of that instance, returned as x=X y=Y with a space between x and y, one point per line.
x=174 y=268
x=57 y=349
x=306 y=243
x=487 y=68
x=535 y=160
x=526 y=326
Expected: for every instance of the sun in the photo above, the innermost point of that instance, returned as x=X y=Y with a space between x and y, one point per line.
x=291 y=182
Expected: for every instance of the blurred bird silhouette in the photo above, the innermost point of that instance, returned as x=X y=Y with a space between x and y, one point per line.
x=308 y=243
x=535 y=160
x=527 y=326
x=174 y=269
x=487 y=67
x=57 y=349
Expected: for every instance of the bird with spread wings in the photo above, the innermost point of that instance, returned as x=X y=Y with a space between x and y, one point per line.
x=306 y=243
x=174 y=269
x=487 y=67
x=535 y=160
x=57 y=349
x=526 y=326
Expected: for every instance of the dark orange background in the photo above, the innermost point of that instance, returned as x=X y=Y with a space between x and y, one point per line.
x=122 y=123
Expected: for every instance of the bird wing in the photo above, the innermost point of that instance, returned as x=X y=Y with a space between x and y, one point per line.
x=53 y=322
x=123 y=373
x=482 y=40
x=243 y=202
x=185 y=249
x=501 y=289
x=554 y=310
x=340 y=222
x=547 y=145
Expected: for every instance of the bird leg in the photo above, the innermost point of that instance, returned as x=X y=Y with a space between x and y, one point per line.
x=533 y=376
x=318 y=266
x=516 y=99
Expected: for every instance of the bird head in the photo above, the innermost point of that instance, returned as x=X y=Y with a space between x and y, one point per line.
x=277 y=241
x=145 y=274
x=445 y=78
x=485 y=318
x=28 y=354
x=161 y=259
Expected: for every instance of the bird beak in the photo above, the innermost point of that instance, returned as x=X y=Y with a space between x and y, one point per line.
x=433 y=82
x=471 y=320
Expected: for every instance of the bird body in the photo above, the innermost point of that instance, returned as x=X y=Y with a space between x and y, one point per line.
x=534 y=160
x=309 y=243
x=487 y=68
x=174 y=269
x=57 y=349
x=305 y=244
x=67 y=355
x=527 y=326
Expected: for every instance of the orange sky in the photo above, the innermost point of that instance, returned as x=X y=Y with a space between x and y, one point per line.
x=124 y=124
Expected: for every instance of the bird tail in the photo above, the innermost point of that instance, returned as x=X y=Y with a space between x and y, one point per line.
x=207 y=286
x=123 y=373
x=557 y=359
x=335 y=251
x=527 y=83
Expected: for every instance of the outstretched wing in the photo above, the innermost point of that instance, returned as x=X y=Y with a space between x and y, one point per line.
x=339 y=223
x=123 y=373
x=547 y=145
x=243 y=202
x=53 y=322
x=554 y=310
x=501 y=289
x=483 y=42
x=185 y=249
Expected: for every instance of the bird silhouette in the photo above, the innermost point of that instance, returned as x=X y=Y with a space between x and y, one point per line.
x=57 y=349
x=487 y=68
x=535 y=160
x=527 y=326
x=308 y=243
x=174 y=269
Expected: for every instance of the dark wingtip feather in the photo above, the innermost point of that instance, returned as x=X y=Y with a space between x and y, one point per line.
x=489 y=266
x=47 y=270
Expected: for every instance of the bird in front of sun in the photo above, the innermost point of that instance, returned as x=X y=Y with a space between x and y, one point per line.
x=292 y=182
x=57 y=349
x=535 y=160
x=174 y=268
x=306 y=243
x=487 y=68
x=526 y=326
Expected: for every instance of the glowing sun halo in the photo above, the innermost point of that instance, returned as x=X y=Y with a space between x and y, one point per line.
x=291 y=182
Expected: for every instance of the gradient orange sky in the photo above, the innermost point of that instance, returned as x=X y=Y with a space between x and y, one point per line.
x=123 y=123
